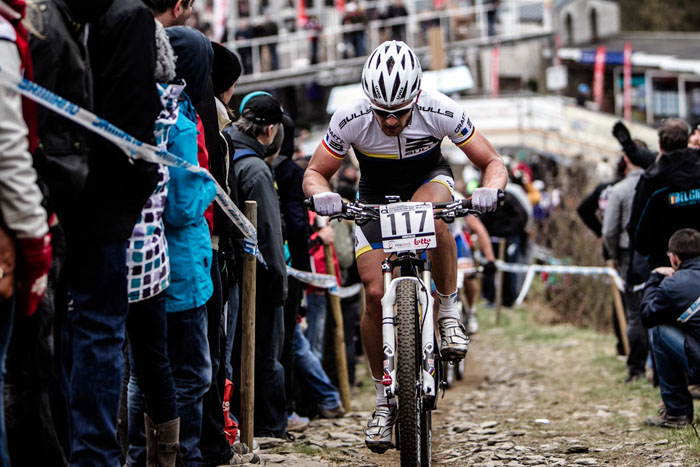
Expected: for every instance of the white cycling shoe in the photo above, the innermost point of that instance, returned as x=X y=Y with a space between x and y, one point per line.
x=379 y=430
x=453 y=339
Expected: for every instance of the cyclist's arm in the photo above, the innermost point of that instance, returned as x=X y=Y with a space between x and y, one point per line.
x=483 y=236
x=484 y=156
x=319 y=171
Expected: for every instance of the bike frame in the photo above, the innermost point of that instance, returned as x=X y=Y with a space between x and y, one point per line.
x=419 y=272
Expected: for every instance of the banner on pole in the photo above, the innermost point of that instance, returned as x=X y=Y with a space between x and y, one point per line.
x=495 y=72
x=599 y=75
x=220 y=11
x=627 y=82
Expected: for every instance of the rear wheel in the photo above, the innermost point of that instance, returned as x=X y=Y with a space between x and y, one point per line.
x=408 y=374
x=458 y=367
x=449 y=370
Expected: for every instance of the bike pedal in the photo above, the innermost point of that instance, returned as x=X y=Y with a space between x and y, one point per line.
x=380 y=449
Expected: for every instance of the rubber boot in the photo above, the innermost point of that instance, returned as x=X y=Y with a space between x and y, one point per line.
x=162 y=442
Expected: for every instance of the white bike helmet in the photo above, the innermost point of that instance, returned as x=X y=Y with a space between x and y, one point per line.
x=392 y=74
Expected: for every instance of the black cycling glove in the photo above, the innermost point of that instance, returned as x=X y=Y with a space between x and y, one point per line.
x=488 y=268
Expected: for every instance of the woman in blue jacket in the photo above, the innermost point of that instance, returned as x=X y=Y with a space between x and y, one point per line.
x=189 y=246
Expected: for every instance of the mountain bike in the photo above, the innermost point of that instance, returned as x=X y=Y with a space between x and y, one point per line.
x=411 y=365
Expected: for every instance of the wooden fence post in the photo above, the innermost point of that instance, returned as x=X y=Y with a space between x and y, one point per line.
x=338 y=336
x=248 y=336
x=619 y=311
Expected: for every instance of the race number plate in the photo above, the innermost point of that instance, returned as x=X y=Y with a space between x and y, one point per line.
x=407 y=226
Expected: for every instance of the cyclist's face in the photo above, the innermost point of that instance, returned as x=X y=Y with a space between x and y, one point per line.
x=392 y=124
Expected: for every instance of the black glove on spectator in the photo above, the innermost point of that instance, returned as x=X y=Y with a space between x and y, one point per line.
x=622 y=134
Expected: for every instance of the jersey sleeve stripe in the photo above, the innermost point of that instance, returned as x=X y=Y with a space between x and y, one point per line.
x=331 y=152
x=468 y=139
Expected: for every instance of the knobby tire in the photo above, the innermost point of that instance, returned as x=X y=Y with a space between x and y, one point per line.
x=408 y=373
x=426 y=436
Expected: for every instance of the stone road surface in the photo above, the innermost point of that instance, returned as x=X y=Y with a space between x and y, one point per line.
x=514 y=408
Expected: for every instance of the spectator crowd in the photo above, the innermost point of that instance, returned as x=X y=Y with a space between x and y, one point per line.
x=121 y=279
x=649 y=220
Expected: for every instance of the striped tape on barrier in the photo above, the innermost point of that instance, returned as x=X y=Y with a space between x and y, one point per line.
x=324 y=281
x=531 y=269
x=557 y=269
x=345 y=292
x=130 y=145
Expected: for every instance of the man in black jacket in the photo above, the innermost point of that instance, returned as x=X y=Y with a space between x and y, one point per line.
x=671 y=305
x=289 y=176
x=122 y=52
x=508 y=222
x=260 y=120
x=667 y=197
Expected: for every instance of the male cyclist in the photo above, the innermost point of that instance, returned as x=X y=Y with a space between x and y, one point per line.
x=396 y=136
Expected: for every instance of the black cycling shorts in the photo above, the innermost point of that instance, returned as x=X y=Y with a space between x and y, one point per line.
x=369 y=236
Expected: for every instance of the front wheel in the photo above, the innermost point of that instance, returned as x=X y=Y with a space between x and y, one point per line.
x=426 y=435
x=408 y=374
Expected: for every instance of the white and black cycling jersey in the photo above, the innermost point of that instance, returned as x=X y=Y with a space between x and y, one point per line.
x=392 y=159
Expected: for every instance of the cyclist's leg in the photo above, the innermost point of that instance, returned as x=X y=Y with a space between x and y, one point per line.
x=444 y=257
x=453 y=338
x=369 y=266
x=470 y=292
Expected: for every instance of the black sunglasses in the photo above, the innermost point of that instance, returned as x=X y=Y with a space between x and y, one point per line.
x=396 y=113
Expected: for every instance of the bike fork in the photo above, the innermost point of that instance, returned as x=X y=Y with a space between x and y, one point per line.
x=426 y=300
x=425 y=314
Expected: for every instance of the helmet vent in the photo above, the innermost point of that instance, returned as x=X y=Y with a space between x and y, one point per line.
x=415 y=86
x=371 y=57
x=382 y=87
x=390 y=64
x=395 y=89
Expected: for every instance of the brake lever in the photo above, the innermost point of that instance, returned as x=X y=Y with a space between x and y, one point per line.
x=449 y=217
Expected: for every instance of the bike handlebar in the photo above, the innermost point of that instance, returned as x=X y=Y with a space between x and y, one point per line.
x=447 y=211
